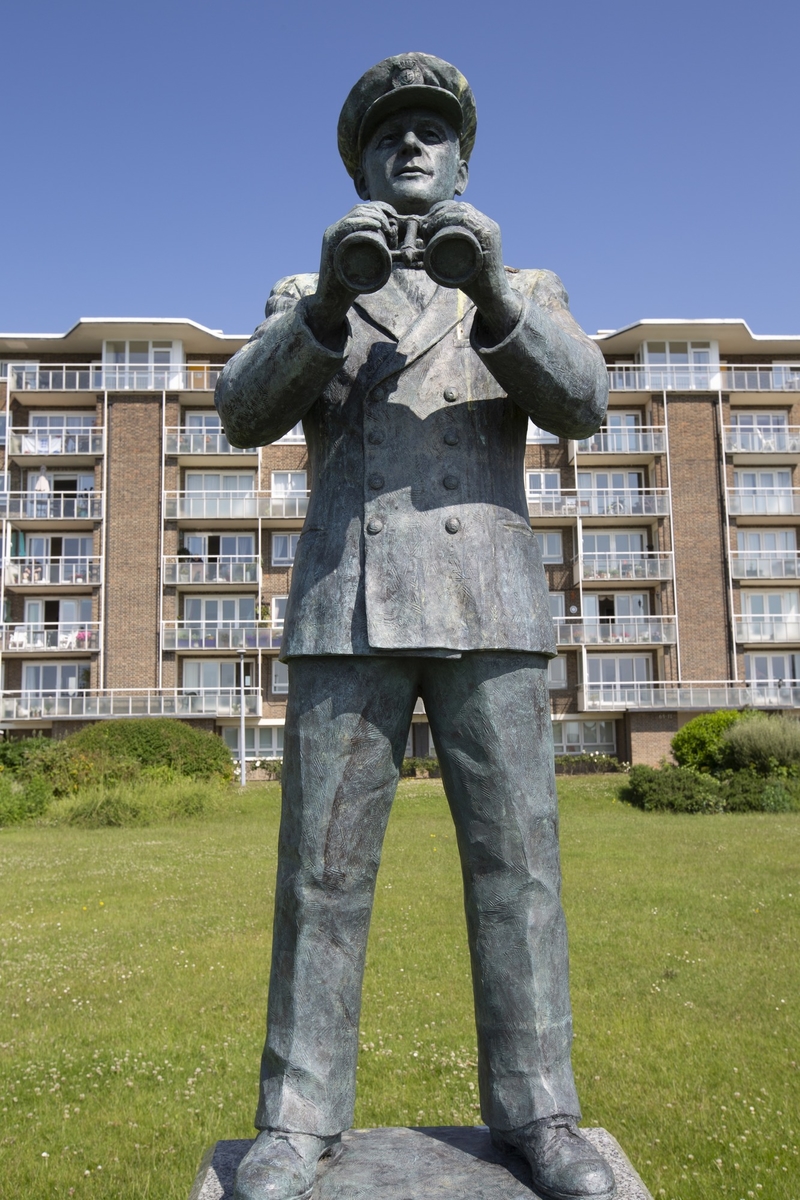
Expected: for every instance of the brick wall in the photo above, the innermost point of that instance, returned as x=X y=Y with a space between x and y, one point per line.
x=649 y=736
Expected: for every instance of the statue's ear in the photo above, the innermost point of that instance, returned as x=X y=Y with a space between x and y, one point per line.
x=462 y=178
x=360 y=184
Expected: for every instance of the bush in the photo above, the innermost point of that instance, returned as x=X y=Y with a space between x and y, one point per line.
x=153 y=799
x=701 y=743
x=411 y=768
x=747 y=792
x=673 y=789
x=769 y=745
x=156 y=742
x=22 y=801
x=587 y=764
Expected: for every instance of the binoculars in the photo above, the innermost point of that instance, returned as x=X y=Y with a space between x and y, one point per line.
x=363 y=261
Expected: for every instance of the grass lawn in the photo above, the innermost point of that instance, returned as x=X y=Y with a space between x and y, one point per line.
x=134 y=976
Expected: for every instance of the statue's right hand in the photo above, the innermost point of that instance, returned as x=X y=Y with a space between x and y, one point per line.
x=373 y=217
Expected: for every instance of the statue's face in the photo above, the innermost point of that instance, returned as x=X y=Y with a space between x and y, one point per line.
x=412 y=161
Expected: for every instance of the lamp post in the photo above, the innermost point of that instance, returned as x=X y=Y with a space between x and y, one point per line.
x=242 y=751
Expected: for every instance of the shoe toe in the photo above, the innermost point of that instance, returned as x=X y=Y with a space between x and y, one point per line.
x=273 y=1170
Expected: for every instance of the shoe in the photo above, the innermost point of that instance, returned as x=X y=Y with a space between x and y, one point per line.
x=564 y=1165
x=282 y=1166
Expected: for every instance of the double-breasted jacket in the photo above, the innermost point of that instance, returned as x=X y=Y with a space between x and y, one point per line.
x=417 y=537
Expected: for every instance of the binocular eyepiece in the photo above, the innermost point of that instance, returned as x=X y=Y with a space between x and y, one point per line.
x=363 y=261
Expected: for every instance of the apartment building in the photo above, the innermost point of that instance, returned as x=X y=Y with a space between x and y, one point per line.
x=146 y=562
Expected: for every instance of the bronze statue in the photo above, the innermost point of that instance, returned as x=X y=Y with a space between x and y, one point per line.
x=414 y=359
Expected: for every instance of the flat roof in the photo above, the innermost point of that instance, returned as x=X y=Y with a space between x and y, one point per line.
x=88 y=334
x=733 y=334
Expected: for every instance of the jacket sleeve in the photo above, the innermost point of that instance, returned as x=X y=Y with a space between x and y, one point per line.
x=547 y=364
x=271 y=383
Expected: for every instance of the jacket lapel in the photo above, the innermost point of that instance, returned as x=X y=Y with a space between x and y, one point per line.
x=447 y=308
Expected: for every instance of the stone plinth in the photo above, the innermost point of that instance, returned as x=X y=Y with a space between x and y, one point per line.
x=437 y=1163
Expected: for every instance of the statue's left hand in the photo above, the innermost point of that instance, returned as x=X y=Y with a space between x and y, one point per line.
x=490 y=291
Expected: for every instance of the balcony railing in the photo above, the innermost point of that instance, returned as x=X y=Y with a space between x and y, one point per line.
x=199 y=441
x=112 y=377
x=53 y=571
x=766 y=502
x=233 y=505
x=179 y=569
x=614 y=631
x=646 y=502
x=644 y=440
x=62 y=637
x=766 y=565
x=195 y=635
x=751 y=628
x=784 y=440
x=49 y=506
x=125 y=702
x=726 y=377
x=648 y=564
x=663 y=695
x=552 y=504
x=68 y=441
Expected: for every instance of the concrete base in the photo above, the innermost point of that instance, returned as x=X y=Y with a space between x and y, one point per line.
x=436 y=1163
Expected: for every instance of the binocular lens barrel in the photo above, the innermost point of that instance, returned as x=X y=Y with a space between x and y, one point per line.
x=363 y=262
x=453 y=257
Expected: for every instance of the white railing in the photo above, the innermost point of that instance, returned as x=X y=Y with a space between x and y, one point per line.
x=766 y=502
x=663 y=695
x=784 y=440
x=198 y=635
x=726 y=377
x=645 y=502
x=112 y=377
x=53 y=571
x=200 y=441
x=643 y=440
x=49 y=506
x=650 y=564
x=768 y=564
x=180 y=569
x=615 y=631
x=767 y=628
x=68 y=635
x=128 y=702
x=66 y=441
x=552 y=504
x=234 y=505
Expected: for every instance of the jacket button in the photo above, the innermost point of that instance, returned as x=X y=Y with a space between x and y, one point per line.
x=452 y=524
x=379 y=394
x=450 y=481
x=450 y=394
x=451 y=438
x=374 y=525
x=375 y=437
x=376 y=482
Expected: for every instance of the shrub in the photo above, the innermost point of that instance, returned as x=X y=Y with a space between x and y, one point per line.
x=587 y=764
x=675 y=789
x=22 y=802
x=701 y=743
x=413 y=767
x=143 y=803
x=747 y=792
x=768 y=746
x=157 y=742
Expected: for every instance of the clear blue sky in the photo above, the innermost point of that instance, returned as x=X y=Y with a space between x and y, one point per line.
x=174 y=159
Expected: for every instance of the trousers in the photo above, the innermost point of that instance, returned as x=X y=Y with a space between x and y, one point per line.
x=347 y=723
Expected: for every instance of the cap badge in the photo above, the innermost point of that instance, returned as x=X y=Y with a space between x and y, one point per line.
x=406 y=73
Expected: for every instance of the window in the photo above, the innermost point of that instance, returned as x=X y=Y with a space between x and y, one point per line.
x=679 y=364
x=786 y=376
x=229 y=483
x=284 y=548
x=772 y=670
x=222 y=612
x=541 y=482
x=260 y=741
x=280 y=678
x=584 y=737
x=615 y=675
x=55 y=679
x=3 y=418
x=770 y=616
x=289 y=483
x=619 y=434
x=759 y=431
x=556 y=605
x=230 y=547
x=132 y=364
x=295 y=436
x=278 y=609
x=550 y=545
x=24 y=375
x=612 y=493
x=774 y=542
x=206 y=419
x=618 y=605
x=537 y=436
x=557 y=672
x=216 y=675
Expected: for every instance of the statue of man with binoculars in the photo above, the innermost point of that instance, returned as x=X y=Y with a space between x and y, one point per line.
x=415 y=359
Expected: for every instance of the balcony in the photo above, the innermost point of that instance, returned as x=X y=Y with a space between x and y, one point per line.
x=63 y=638
x=766 y=502
x=195 y=571
x=631 y=631
x=124 y=702
x=53 y=572
x=234 y=506
x=48 y=506
x=784 y=440
x=195 y=635
x=67 y=443
x=671 y=696
x=646 y=502
x=112 y=377
x=751 y=628
x=725 y=377
x=765 y=565
x=621 y=568
x=644 y=440
x=201 y=441
x=552 y=504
